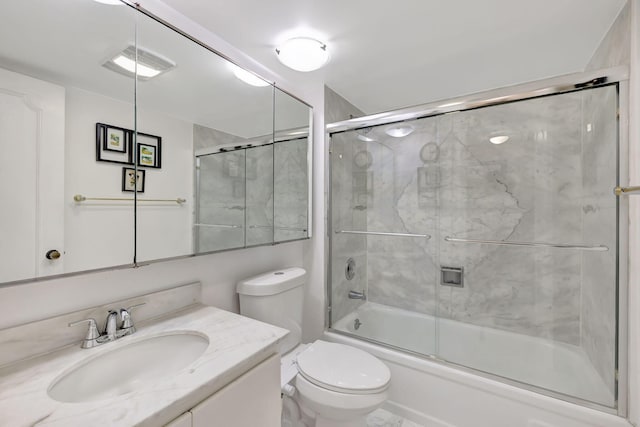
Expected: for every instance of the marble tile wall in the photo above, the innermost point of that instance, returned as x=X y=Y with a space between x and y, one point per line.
x=221 y=193
x=447 y=179
x=349 y=211
x=598 y=310
x=599 y=215
x=239 y=185
x=291 y=190
x=615 y=47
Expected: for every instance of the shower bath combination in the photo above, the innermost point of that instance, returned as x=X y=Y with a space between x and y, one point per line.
x=488 y=237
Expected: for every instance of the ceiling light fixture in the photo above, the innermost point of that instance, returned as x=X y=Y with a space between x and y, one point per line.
x=499 y=139
x=248 y=77
x=148 y=64
x=399 y=131
x=303 y=54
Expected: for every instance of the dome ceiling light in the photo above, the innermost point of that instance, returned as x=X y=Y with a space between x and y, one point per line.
x=303 y=54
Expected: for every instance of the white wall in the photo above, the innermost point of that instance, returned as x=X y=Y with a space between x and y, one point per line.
x=218 y=273
x=101 y=234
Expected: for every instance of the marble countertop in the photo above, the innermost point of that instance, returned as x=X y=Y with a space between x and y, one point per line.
x=236 y=344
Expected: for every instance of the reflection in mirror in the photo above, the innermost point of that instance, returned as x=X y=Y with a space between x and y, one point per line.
x=53 y=90
x=291 y=171
x=259 y=194
x=196 y=106
x=220 y=190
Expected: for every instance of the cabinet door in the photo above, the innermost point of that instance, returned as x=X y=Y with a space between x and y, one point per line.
x=250 y=401
x=183 y=420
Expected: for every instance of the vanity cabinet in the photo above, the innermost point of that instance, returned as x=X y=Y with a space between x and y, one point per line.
x=251 y=400
x=183 y=420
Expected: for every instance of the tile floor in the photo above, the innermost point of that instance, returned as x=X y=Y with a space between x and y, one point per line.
x=384 y=418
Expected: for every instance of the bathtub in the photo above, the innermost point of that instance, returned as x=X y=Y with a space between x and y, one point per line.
x=439 y=394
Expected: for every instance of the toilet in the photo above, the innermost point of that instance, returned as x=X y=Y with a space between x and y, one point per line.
x=323 y=384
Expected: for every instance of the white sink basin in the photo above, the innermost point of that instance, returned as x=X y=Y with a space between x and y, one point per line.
x=129 y=367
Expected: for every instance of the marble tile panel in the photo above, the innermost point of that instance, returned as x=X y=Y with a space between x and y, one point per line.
x=614 y=49
x=349 y=210
x=446 y=179
x=291 y=190
x=599 y=215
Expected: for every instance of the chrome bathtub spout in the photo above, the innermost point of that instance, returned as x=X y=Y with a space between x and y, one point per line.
x=357 y=295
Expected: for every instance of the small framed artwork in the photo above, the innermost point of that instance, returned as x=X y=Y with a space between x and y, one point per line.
x=149 y=150
x=116 y=140
x=132 y=180
x=113 y=144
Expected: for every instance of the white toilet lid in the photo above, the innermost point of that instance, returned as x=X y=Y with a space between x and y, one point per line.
x=343 y=368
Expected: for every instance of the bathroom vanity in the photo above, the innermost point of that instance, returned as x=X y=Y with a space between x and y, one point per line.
x=186 y=365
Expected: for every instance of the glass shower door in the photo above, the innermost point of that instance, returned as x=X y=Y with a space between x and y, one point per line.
x=528 y=215
x=383 y=271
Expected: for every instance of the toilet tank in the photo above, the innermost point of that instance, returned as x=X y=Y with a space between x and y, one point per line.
x=276 y=298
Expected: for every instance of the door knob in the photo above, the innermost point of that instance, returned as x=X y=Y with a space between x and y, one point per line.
x=52 y=254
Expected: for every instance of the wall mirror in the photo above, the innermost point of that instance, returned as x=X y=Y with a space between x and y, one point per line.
x=103 y=166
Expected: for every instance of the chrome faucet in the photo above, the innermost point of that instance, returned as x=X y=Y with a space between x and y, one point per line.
x=110 y=327
x=111 y=330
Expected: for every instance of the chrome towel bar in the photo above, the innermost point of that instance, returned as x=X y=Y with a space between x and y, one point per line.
x=530 y=244
x=381 y=233
x=218 y=225
x=79 y=198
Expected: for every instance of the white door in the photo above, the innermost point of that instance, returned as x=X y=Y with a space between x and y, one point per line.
x=32 y=120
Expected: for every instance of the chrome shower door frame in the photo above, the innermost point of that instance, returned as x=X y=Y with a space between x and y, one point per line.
x=618 y=76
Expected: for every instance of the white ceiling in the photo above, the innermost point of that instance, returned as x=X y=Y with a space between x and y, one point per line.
x=67 y=41
x=386 y=55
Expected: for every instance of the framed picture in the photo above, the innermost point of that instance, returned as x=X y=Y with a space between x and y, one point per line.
x=149 y=150
x=113 y=144
x=116 y=140
x=132 y=180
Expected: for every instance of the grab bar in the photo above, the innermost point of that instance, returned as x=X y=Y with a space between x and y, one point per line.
x=381 y=233
x=218 y=225
x=78 y=198
x=531 y=244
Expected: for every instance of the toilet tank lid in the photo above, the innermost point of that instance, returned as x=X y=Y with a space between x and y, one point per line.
x=273 y=282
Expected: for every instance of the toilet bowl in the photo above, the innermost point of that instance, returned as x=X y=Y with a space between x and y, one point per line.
x=331 y=385
x=338 y=385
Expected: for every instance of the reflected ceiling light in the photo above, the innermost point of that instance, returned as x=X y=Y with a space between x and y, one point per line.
x=363 y=134
x=499 y=139
x=248 y=77
x=399 y=131
x=303 y=54
x=112 y=2
x=149 y=64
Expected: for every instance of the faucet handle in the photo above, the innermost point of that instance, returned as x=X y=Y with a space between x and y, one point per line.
x=90 y=340
x=127 y=321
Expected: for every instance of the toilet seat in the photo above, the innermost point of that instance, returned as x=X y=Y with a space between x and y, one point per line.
x=343 y=369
